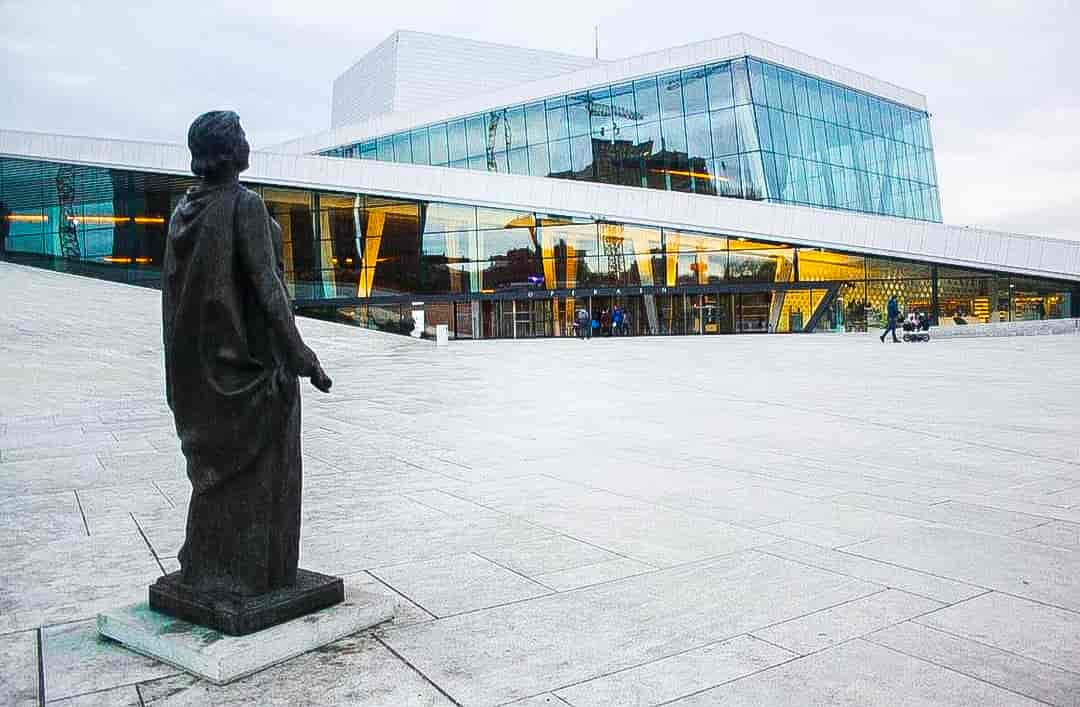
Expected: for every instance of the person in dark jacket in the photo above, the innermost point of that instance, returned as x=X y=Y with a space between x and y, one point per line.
x=893 y=313
x=584 y=324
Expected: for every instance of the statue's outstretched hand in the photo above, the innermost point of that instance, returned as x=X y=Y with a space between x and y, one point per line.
x=311 y=368
x=320 y=380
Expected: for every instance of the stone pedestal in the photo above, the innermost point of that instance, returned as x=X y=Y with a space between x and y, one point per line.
x=238 y=616
x=209 y=654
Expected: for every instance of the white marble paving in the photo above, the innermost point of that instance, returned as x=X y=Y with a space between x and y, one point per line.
x=565 y=522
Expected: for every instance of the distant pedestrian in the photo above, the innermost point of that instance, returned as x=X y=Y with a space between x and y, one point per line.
x=605 y=322
x=892 y=311
x=584 y=324
x=626 y=322
x=616 y=322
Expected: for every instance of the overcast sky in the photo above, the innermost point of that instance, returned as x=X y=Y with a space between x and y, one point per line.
x=1001 y=77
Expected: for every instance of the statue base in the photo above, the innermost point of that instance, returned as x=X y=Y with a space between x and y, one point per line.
x=237 y=615
x=206 y=653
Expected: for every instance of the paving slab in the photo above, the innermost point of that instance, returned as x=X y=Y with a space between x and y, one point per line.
x=39 y=518
x=1011 y=671
x=19 y=677
x=606 y=571
x=1058 y=533
x=458 y=583
x=523 y=649
x=856 y=674
x=575 y=461
x=828 y=627
x=1005 y=563
x=127 y=696
x=357 y=671
x=73 y=578
x=553 y=553
x=683 y=674
x=77 y=660
x=1027 y=628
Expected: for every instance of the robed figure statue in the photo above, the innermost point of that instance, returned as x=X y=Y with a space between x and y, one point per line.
x=233 y=356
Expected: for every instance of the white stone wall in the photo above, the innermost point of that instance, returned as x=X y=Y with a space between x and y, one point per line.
x=1031 y=328
x=366 y=89
x=415 y=71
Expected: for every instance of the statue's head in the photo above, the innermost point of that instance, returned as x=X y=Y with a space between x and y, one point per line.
x=219 y=148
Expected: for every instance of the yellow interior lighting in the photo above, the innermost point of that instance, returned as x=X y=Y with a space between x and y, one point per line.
x=116 y=259
x=686 y=173
x=27 y=218
x=157 y=220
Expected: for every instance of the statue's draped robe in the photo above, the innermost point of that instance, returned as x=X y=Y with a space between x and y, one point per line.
x=231 y=357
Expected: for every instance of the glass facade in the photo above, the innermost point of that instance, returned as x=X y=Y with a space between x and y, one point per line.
x=742 y=128
x=391 y=263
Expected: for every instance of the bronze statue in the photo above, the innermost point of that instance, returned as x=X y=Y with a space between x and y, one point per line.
x=233 y=356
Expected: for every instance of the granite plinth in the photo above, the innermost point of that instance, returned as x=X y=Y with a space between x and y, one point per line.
x=211 y=655
x=238 y=615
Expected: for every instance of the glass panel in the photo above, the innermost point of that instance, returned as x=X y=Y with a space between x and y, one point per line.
x=674 y=133
x=386 y=149
x=744 y=118
x=581 y=158
x=560 y=157
x=515 y=129
x=727 y=175
x=519 y=161
x=456 y=138
x=757 y=81
x=698 y=138
x=535 y=124
x=670 y=88
x=753 y=176
x=538 y=160
x=693 y=82
x=817 y=265
x=439 y=147
x=476 y=130
x=741 y=82
x=724 y=136
x=646 y=100
x=421 y=152
x=557 y=125
x=578 y=110
x=402 y=148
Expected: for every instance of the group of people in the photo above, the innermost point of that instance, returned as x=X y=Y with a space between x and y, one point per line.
x=608 y=323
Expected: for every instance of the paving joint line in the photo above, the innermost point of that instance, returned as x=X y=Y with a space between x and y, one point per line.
x=403 y=594
x=417 y=670
x=148 y=544
x=78 y=502
x=41 y=667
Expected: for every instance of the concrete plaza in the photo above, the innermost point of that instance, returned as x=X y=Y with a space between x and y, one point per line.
x=808 y=520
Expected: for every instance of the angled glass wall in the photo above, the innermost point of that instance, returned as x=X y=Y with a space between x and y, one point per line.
x=742 y=128
x=370 y=260
x=690 y=130
x=826 y=145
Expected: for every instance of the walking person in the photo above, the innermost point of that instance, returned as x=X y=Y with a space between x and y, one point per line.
x=616 y=322
x=605 y=322
x=584 y=324
x=626 y=322
x=892 y=311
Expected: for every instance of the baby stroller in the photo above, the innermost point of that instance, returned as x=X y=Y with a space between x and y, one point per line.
x=916 y=327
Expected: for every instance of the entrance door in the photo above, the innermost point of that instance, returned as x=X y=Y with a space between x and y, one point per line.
x=753 y=312
x=716 y=314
